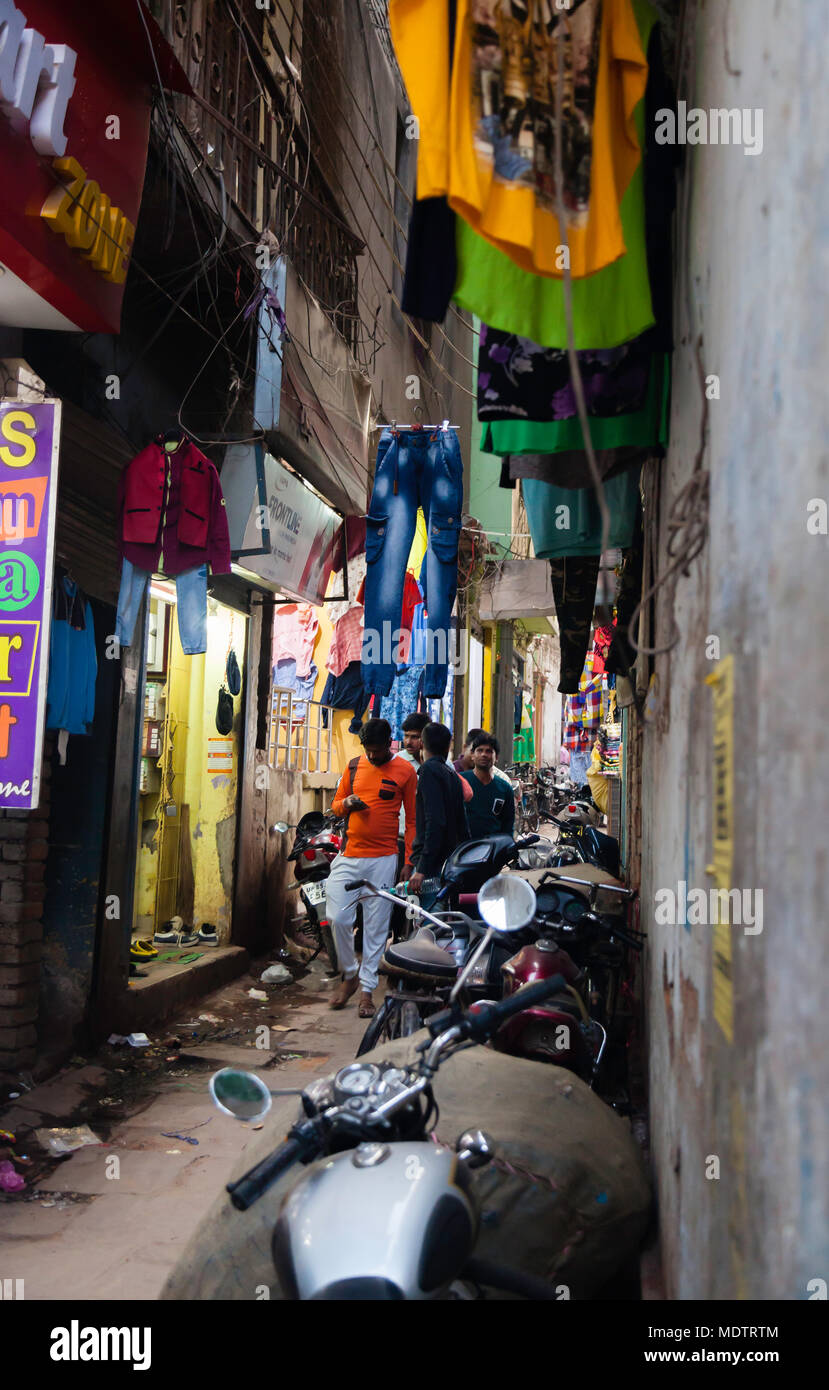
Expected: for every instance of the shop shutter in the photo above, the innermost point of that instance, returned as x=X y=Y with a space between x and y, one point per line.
x=92 y=456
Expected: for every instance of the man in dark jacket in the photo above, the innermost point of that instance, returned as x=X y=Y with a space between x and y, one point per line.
x=440 y=817
x=492 y=808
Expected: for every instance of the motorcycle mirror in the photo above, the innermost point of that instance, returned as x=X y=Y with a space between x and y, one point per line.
x=507 y=903
x=281 y=826
x=240 y=1094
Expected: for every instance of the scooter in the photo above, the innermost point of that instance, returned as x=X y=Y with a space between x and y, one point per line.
x=373 y=1168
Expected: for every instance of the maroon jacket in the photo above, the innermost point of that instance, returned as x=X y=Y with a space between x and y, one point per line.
x=194 y=517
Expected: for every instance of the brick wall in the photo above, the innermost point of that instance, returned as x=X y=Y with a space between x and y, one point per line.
x=23 y=850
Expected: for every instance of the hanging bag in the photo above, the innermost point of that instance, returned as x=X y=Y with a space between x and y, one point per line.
x=224 y=711
x=233 y=674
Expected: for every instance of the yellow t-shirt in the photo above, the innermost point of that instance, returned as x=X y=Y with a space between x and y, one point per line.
x=489 y=142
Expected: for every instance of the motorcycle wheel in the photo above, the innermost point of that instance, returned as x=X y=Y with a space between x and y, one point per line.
x=379 y=1027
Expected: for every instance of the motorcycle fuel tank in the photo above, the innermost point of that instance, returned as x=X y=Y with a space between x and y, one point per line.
x=382 y=1221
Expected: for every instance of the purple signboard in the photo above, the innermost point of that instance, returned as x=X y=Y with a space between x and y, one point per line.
x=29 y=442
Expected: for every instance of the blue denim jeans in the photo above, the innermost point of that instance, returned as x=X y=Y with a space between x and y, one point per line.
x=414 y=468
x=191 y=605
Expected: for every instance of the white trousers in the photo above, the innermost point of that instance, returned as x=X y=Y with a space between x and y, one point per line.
x=342 y=912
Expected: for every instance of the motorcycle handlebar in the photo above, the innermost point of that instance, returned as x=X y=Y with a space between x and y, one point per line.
x=248 y=1189
x=482 y=1021
x=355 y=883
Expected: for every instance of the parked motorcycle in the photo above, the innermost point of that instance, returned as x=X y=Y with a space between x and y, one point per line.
x=571 y=1030
x=316 y=844
x=581 y=842
x=365 y=1138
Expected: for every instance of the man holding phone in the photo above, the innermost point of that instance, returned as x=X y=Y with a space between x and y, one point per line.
x=492 y=808
x=371 y=792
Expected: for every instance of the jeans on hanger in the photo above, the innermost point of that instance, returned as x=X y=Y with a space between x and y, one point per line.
x=414 y=468
x=191 y=606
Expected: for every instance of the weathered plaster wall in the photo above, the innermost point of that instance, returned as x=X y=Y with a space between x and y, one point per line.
x=753 y=244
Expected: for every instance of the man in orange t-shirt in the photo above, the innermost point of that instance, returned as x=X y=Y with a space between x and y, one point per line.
x=371 y=798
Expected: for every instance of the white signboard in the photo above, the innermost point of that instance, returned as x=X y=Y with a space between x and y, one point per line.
x=280 y=532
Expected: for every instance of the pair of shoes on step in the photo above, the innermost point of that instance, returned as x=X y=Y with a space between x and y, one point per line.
x=174 y=933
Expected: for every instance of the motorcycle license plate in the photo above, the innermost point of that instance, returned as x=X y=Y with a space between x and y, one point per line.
x=314 y=892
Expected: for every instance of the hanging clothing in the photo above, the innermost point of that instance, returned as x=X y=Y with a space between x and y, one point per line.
x=520 y=380
x=402 y=699
x=622 y=657
x=414 y=468
x=610 y=307
x=570 y=468
x=346 y=691
x=431 y=262
x=191 y=606
x=574 y=592
x=567 y=521
x=498 y=128
x=73 y=661
x=349 y=541
x=295 y=631
x=171 y=512
x=347 y=641
x=641 y=428
x=412 y=603
x=286 y=677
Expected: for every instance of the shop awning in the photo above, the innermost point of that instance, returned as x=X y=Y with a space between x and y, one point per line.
x=311 y=399
x=519 y=589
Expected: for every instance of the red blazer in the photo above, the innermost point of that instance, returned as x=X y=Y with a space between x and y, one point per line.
x=142 y=495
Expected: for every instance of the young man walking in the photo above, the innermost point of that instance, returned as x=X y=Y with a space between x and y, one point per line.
x=492 y=808
x=440 y=817
x=371 y=794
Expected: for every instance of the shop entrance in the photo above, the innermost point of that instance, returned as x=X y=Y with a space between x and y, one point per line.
x=190 y=747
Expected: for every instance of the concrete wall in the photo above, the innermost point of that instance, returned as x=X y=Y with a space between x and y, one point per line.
x=753 y=243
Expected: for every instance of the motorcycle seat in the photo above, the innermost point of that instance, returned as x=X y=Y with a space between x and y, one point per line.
x=420 y=957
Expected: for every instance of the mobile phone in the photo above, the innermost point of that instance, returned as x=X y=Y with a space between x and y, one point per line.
x=497 y=805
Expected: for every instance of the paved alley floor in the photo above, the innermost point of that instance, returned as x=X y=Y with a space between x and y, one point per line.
x=91 y=1228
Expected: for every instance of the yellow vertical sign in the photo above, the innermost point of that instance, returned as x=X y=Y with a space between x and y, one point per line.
x=722 y=682
x=486 y=702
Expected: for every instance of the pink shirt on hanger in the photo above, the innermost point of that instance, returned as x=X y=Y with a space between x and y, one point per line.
x=347 y=643
x=295 y=631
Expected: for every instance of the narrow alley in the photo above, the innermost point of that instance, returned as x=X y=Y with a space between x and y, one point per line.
x=414 y=510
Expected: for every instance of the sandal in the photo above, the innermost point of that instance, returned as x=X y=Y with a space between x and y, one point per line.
x=142 y=950
x=367 y=1008
x=343 y=993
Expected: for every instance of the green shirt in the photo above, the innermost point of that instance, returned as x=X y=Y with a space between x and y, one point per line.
x=609 y=307
x=484 y=819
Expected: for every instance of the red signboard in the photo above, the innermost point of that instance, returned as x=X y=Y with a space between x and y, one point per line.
x=75 y=92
